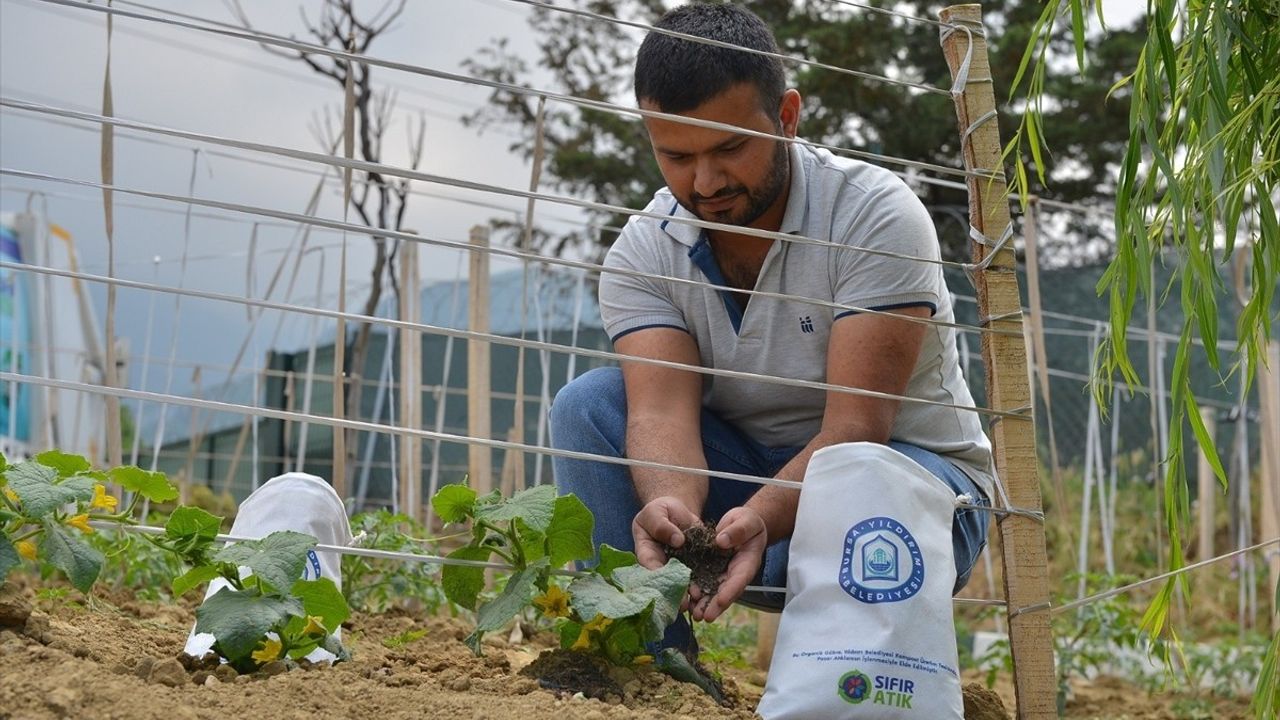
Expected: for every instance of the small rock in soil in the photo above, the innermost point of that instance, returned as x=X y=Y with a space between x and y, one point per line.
x=143 y=668
x=38 y=628
x=168 y=672
x=225 y=673
x=461 y=684
x=981 y=703
x=198 y=677
x=14 y=609
x=699 y=552
x=275 y=667
x=62 y=700
x=211 y=681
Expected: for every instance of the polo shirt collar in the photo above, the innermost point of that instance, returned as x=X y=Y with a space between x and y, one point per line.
x=792 y=218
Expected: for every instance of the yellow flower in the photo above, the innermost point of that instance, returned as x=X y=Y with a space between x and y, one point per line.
x=596 y=625
x=554 y=603
x=315 y=626
x=642 y=659
x=27 y=549
x=80 y=522
x=101 y=499
x=270 y=650
x=13 y=496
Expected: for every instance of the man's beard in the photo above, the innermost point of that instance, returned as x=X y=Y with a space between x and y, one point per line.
x=759 y=200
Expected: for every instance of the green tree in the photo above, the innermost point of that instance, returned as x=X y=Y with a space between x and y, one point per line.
x=1197 y=187
x=605 y=157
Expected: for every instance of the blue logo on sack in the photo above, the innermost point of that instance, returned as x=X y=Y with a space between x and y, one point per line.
x=882 y=562
x=311 y=571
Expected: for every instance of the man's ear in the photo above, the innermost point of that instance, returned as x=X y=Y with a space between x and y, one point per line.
x=789 y=112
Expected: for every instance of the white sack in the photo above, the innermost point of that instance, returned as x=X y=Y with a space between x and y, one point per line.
x=293 y=501
x=867 y=630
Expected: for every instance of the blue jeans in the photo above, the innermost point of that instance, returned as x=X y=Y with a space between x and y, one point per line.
x=590 y=415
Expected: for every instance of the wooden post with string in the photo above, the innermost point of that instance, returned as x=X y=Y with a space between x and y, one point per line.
x=1026 y=568
x=1269 y=439
x=480 y=457
x=410 y=460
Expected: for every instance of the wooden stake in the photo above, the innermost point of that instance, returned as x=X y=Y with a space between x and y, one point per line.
x=1269 y=439
x=766 y=637
x=1025 y=558
x=480 y=459
x=1207 y=493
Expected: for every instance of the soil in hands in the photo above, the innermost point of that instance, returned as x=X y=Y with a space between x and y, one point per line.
x=699 y=552
x=570 y=672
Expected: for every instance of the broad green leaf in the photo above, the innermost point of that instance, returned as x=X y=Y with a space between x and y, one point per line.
x=454 y=503
x=569 y=633
x=82 y=485
x=462 y=584
x=187 y=522
x=65 y=463
x=277 y=559
x=532 y=543
x=569 y=536
x=593 y=595
x=194 y=577
x=153 y=486
x=240 y=620
x=298 y=652
x=534 y=507
x=637 y=589
x=624 y=641
x=516 y=596
x=322 y=598
x=9 y=558
x=74 y=557
x=34 y=486
x=611 y=558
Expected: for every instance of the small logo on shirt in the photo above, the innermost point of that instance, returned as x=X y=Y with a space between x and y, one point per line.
x=806 y=324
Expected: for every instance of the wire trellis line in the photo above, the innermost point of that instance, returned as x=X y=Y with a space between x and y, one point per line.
x=546 y=5
x=509 y=341
x=1162 y=576
x=409 y=174
x=401 y=556
x=522 y=255
x=603 y=106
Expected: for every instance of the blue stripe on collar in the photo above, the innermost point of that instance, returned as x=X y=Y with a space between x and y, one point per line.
x=702 y=256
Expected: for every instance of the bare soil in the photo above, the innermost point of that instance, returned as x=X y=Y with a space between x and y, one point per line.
x=117 y=659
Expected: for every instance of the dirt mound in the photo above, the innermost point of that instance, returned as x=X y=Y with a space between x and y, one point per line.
x=982 y=704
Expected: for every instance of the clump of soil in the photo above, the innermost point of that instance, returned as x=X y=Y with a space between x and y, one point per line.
x=981 y=703
x=571 y=672
x=701 y=555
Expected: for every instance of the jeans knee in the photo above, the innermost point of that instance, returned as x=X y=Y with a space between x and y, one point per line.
x=594 y=401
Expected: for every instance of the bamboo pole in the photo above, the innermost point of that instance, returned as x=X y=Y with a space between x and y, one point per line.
x=480 y=458
x=410 y=388
x=1025 y=558
x=1207 y=492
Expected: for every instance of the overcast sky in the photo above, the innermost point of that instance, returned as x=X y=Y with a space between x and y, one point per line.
x=196 y=81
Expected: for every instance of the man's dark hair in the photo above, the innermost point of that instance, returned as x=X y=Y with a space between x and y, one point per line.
x=678 y=75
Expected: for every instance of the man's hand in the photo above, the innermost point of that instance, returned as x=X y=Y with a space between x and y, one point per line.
x=660 y=523
x=741 y=531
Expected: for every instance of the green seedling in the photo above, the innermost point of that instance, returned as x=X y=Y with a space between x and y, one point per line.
x=47 y=503
x=264 y=613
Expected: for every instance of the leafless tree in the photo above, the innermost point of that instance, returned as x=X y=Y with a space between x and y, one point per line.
x=379 y=202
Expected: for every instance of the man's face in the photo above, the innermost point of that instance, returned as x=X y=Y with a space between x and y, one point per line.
x=722 y=176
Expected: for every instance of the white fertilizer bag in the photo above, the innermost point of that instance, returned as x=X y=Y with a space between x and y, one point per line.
x=293 y=501
x=867 y=630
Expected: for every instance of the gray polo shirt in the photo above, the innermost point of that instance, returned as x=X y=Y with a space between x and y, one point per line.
x=844 y=202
